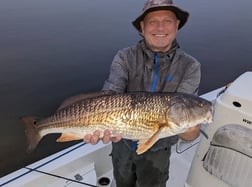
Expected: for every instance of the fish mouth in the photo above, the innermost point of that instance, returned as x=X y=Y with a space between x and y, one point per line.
x=209 y=116
x=209 y=119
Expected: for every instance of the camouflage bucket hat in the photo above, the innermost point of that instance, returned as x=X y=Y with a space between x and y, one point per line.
x=153 y=5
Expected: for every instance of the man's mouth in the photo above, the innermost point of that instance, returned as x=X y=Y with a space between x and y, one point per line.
x=160 y=35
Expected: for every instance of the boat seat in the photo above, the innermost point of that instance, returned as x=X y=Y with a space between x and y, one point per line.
x=229 y=156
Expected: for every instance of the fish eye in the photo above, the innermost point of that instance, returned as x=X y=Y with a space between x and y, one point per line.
x=201 y=105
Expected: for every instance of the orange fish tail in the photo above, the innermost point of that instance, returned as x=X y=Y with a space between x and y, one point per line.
x=31 y=131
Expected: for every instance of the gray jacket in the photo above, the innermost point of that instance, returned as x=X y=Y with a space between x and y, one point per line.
x=133 y=69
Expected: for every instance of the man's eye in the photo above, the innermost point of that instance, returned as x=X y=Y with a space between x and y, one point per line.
x=152 y=22
x=167 y=21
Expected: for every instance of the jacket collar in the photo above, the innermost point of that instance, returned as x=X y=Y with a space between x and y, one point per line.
x=163 y=57
x=150 y=53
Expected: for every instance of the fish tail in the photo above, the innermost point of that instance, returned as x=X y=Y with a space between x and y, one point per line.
x=32 y=134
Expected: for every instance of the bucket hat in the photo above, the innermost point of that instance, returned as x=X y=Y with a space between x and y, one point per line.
x=153 y=5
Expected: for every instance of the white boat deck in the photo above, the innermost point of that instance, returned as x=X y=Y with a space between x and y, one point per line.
x=180 y=164
x=79 y=160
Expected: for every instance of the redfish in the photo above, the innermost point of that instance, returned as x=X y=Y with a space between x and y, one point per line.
x=146 y=117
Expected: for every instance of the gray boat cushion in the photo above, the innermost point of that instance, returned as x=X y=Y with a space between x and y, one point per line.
x=230 y=155
x=234 y=137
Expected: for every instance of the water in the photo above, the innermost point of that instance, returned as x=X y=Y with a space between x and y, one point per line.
x=53 y=49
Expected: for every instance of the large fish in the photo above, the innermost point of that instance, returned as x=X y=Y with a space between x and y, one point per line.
x=142 y=116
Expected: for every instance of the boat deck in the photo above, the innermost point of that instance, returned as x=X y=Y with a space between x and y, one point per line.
x=82 y=165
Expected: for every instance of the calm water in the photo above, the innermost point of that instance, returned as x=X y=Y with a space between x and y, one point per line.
x=52 y=49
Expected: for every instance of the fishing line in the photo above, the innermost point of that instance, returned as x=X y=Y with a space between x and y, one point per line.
x=49 y=161
x=204 y=134
x=60 y=177
x=179 y=152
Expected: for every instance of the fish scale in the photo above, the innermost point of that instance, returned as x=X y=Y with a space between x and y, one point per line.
x=100 y=114
x=104 y=111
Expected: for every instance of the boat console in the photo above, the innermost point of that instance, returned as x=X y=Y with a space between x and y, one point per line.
x=225 y=158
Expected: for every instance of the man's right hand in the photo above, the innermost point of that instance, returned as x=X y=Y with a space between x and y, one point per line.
x=106 y=138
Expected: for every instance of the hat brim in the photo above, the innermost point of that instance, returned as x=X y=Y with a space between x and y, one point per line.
x=182 y=15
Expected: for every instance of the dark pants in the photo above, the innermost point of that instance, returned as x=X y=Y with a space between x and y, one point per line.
x=149 y=169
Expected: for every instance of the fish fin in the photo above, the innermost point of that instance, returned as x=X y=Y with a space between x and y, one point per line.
x=66 y=137
x=145 y=144
x=77 y=98
x=32 y=134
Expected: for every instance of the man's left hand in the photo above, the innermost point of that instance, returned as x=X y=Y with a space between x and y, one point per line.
x=191 y=134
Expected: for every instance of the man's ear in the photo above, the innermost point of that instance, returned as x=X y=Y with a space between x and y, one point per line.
x=142 y=27
x=177 y=24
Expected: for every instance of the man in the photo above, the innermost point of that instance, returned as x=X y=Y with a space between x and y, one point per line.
x=155 y=64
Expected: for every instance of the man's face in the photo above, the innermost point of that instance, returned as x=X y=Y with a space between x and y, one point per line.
x=159 y=29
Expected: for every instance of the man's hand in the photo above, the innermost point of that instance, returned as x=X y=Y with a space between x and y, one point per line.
x=106 y=138
x=191 y=134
